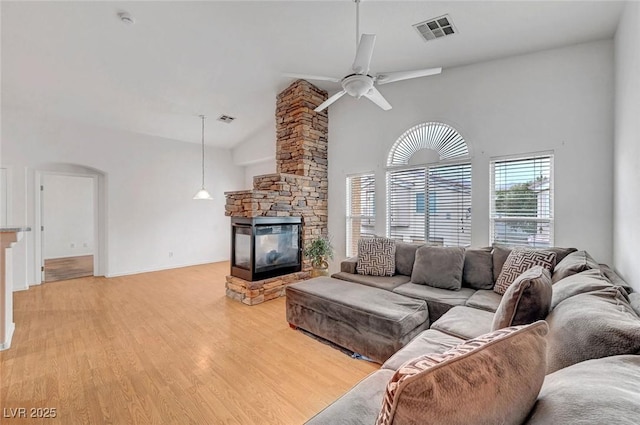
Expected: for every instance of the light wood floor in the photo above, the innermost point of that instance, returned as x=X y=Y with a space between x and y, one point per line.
x=164 y=348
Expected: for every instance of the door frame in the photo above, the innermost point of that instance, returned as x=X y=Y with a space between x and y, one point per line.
x=99 y=221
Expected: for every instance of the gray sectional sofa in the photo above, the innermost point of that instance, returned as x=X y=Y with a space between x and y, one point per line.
x=592 y=345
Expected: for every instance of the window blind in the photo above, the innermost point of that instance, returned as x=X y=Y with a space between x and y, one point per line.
x=430 y=204
x=449 y=208
x=361 y=210
x=522 y=201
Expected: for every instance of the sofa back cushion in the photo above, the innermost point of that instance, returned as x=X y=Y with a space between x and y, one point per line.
x=405 y=257
x=573 y=263
x=527 y=300
x=478 y=268
x=587 y=281
x=590 y=326
x=439 y=267
x=499 y=374
x=519 y=261
x=601 y=391
x=376 y=256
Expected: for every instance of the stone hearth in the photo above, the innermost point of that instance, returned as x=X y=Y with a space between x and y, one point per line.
x=298 y=189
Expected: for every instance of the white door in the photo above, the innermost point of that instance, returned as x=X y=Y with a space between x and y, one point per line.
x=68 y=220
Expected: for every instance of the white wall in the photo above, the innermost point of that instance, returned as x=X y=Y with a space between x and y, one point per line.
x=149 y=185
x=626 y=237
x=560 y=100
x=68 y=216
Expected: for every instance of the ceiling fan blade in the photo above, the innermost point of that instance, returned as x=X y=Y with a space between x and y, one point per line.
x=311 y=77
x=324 y=105
x=376 y=97
x=390 y=77
x=364 y=53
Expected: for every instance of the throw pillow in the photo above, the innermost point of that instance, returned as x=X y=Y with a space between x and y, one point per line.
x=590 y=326
x=492 y=379
x=501 y=252
x=519 y=261
x=439 y=267
x=600 y=391
x=376 y=256
x=405 y=257
x=574 y=263
x=478 y=268
x=527 y=300
x=587 y=281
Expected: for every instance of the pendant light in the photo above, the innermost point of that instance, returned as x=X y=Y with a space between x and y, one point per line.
x=202 y=193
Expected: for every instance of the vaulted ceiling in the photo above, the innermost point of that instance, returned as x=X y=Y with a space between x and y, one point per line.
x=78 y=61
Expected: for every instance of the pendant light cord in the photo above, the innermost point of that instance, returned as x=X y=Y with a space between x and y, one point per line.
x=203 y=117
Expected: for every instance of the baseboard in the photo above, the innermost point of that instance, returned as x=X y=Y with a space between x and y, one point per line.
x=158 y=269
x=5 y=345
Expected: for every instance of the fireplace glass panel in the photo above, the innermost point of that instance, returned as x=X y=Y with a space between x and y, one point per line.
x=242 y=247
x=276 y=246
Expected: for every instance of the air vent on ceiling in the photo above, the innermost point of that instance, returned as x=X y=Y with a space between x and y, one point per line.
x=436 y=28
x=226 y=119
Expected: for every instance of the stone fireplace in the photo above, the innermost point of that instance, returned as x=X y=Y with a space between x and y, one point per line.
x=299 y=188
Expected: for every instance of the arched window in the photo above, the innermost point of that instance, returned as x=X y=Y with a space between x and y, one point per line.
x=431 y=201
x=442 y=138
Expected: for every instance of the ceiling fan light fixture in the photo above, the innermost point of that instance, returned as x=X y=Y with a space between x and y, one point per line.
x=357 y=85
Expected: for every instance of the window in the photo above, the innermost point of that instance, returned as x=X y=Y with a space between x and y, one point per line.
x=522 y=201
x=361 y=209
x=445 y=219
x=429 y=202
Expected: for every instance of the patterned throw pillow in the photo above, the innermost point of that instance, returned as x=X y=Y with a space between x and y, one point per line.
x=376 y=256
x=500 y=375
x=519 y=261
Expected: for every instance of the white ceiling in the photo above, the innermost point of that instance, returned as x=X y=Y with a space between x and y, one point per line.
x=77 y=61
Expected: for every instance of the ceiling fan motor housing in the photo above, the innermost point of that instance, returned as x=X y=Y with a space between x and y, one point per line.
x=357 y=85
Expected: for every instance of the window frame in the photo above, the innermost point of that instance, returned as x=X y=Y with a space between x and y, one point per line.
x=350 y=218
x=429 y=209
x=551 y=201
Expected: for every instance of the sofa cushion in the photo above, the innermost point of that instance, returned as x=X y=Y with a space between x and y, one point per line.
x=464 y=322
x=587 y=281
x=376 y=256
x=349 y=265
x=382 y=282
x=493 y=379
x=438 y=300
x=360 y=405
x=590 y=326
x=573 y=263
x=484 y=299
x=478 y=268
x=501 y=252
x=439 y=267
x=499 y=255
x=600 y=391
x=366 y=320
x=615 y=277
x=527 y=300
x=430 y=341
x=635 y=302
x=521 y=260
x=405 y=257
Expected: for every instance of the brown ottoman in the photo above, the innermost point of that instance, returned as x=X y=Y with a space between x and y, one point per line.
x=366 y=320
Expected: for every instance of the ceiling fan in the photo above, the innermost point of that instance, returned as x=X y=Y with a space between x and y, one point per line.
x=360 y=82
